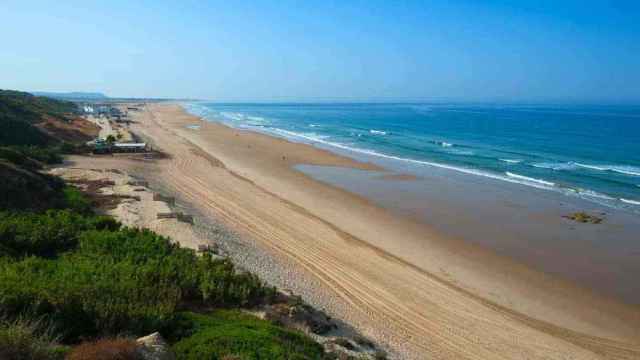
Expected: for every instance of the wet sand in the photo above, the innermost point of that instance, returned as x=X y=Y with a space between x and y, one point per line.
x=421 y=294
x=523 y=223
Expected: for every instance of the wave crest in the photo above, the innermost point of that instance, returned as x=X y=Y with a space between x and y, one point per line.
x=511 y=161
x=530 y=179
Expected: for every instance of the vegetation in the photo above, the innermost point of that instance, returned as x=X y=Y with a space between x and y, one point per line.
x=27 y=189
x=20 y=133
x=92 y=278
x=20 y=112
x=232 y=334
x=25 y=107
x=23 y=339
x=110 y=139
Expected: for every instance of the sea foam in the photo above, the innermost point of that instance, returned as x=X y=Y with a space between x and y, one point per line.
x=512 y=179
x=621 y=169
x=378 y=132
x=555 y=166
x=511 y=161
x=529 y=179
x=442 y=143
x=356 y=142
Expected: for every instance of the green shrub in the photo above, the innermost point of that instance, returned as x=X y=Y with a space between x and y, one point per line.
x=26 y=189
x=76 y=201
x=23 y=234
x=28 y=340
x=43 y=154
x=25 y=107
x=17 y=157
x=17 y=132
x=109 y=280
x=230 y=333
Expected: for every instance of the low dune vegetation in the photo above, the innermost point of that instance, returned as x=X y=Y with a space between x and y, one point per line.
x=69 y=278
x=226 y=332
x=80 y=277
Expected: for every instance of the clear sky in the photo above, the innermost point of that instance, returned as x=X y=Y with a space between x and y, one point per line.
x=565 y=50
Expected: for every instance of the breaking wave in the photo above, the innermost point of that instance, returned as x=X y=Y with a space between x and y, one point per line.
x=555 y=166
x=621 y=169
x=530 y=179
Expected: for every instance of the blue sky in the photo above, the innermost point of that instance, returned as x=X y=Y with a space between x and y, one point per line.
x=578 y=51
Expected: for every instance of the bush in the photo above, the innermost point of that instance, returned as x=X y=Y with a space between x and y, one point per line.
x=106 y=280
x=23 y=234
x=17 y=132
x=106 y=349
x=76 y=201
x=17 y=157
x=46 y=155
x=28 y=340
x=26 y=189
x=232 y=334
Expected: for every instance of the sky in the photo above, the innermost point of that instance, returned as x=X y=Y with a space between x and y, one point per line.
x=351 y=50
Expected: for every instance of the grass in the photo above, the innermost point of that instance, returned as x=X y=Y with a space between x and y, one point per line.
x=23 y=339
x=232 y=334
x=113 y=281
x=90 y=278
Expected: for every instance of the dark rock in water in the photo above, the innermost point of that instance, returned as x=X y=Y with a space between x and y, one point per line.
x=583 y=217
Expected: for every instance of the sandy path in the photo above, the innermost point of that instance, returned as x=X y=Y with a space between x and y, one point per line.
x=398 y=282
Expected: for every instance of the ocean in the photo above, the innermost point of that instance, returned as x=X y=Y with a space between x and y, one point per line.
x=589 y=152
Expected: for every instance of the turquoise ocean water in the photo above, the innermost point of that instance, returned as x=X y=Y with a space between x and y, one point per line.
x=590 y=152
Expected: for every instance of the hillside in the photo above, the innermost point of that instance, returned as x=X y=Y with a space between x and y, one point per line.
x=35 y=131
x=27 y=120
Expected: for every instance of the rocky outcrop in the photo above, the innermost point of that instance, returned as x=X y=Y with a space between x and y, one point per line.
x=154 y=347
x=301 y=316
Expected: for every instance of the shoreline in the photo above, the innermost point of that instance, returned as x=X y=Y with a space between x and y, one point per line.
x=418 y=293
x=531 y=226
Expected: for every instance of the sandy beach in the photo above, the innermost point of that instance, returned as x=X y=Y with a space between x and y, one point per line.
x=419 y=294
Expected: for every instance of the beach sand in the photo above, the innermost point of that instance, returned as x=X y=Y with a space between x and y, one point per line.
x=416 y=292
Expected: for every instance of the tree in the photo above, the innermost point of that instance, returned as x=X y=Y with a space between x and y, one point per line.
x=110 y=139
